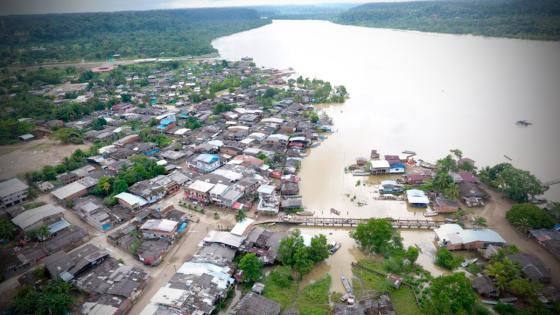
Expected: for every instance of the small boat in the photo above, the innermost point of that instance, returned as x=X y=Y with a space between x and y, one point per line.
x=430 y=213
x=467 y=262
x=524 y=123
x=507 y=157
x=333 y=210
x=334 y=246
x=361 y=203
x=360 y=173
x=346 y=284
x=408 y=152
x=425 y=164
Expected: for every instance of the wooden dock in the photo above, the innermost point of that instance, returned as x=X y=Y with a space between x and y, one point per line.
x=351 y=222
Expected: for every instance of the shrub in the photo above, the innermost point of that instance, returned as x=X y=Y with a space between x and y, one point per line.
x=446 y=259
x=527 y=216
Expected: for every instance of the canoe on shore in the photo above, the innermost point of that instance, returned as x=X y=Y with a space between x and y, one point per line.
x=346 y=284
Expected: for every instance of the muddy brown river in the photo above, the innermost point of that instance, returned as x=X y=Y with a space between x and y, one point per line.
x=412 y=91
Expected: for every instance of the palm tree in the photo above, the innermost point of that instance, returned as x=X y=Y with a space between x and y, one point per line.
x=240 y=216
x=479 y=221
x=503 y=272
x=452 y=191
x=458 y=153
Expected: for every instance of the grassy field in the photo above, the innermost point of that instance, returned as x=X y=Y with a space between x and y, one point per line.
x=404 y=302
x=281 y=287
x=314 y=298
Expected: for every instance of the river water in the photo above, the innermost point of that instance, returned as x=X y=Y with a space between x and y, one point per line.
x=413 y=91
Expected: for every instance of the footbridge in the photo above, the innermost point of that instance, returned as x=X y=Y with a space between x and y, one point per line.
x=352 y=222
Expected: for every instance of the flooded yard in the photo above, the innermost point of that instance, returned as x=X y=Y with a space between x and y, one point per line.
x=340 y=263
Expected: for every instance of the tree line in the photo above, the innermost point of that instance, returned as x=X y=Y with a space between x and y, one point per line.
x=533 y=19
x=98 y=36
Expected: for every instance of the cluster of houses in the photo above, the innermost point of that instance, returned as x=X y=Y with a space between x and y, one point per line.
x=210 y=274
x=549 y=239
x=378 y=304
x=415 y=174
x=110 y=287
x=488 y=243
x=152 y=232
x=41 y=227
x=243 y=157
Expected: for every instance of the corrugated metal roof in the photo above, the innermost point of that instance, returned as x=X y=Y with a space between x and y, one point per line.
x=32 y=216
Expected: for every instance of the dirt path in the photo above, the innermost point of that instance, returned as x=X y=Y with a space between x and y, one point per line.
x=30 y=156
x=187 y=247
x=495 y=214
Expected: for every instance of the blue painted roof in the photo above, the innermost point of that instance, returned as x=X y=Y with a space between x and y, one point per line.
x=208 y=158
x=58 y=226
x=397 y=165
x=166 y=121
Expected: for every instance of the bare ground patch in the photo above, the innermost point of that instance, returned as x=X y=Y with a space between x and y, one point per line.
x=30 y=156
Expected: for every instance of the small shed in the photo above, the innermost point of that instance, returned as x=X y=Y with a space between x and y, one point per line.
x=26 y=137
x=484 y=286
x=444 y=205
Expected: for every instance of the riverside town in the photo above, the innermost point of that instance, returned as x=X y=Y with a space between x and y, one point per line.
x=317 y=159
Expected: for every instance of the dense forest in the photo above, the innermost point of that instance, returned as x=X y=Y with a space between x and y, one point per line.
x=533 y=19
x=98 y=36
x=304 y=12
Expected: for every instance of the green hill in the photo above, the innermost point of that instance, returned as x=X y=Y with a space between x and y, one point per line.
x=532 y=19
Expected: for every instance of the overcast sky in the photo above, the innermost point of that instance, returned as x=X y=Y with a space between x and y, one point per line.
x=63 y=6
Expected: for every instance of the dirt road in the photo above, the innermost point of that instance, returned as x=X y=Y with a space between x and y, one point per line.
x=30 y=156
x=495 y=214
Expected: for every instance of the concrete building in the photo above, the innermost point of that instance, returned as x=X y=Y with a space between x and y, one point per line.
x=12 y=192
x=34 y=218
x=130 y=201
x=454 y=237
x=159 y=229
